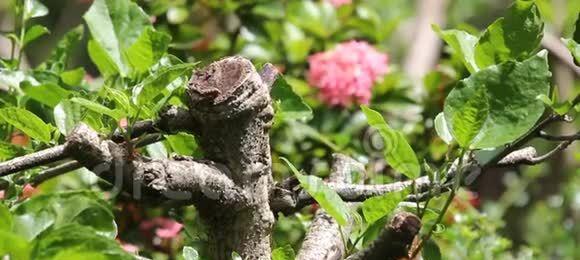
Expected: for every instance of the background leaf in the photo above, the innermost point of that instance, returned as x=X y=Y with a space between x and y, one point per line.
x=283 y=253
x=74 y=241
x=54 y=210
x=289 y=105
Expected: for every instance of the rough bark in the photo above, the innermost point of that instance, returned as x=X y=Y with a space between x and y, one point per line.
x=394 y=241
x=230 y=113
x=234 y=109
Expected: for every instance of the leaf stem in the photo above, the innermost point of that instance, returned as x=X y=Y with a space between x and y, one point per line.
x=456 y=185
x=22 y=32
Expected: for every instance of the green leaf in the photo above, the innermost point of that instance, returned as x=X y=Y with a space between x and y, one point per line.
x=96 y=107
x=9 y=151
x=296 y=44
x=99 y=56
x=283 y=253
x=317 y=18
x=54 y=210
x=288 y=104
x=468 y=120
x=115 y=25
x=431 y=250
x=573 y=44
x=74 y=241
x=378 y=207
x=517 y=36
x=157 y=150
x=73 y=77
x=5 y=218
x=33 y=33
x=498 y=104
x=121 y=99
x=13 y=79
x=561 y=108
x=26 y=122
x=33 y=8
x=183 y=143
x=398 y=152
x=462 y=43
x=147 y=50
x=48 y=94
x=13 y=245
x=58 y=60
x=189 y=253
x=161 y=82
x=328 y=199
x=66 y=116
x=442 y=129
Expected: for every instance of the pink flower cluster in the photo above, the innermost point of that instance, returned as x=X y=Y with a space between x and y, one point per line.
x=164 y=227
x=338 y=3
x=347 y=73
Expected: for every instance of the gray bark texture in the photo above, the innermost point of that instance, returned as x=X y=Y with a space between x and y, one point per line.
x=230 y=113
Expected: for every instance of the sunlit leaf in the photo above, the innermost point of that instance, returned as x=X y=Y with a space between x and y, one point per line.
x=498 y=104
x=442 y=129
x=463 y=44
x=96 y=107
x=378 y=207
x=517 y=36
x=328 y=199
x=283 y=253
x=33 y=33
x=26 y=122
x=398 y=152
x=288 y=104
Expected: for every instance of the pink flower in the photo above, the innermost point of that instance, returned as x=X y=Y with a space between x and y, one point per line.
x=164 y=227
x=1 y=194
x=129 y=248
x=28 y=191
x=347 y=73
x=338 y=3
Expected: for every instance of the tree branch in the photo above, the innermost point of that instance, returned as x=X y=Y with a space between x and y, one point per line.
x=171 y=120
x=32 y=160
x=74 y=165
x=184 y=180
x=528 y=155
x=394 y=241
x=549 y=137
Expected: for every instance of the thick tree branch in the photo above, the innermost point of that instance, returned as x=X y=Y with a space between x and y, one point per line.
x=394 y=241
x=74 y=165
x=188 y=180
x=323 y=240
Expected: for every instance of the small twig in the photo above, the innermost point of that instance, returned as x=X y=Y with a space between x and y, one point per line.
x=55 y=171
x=527 y=156
x=456 y=184
x=28 y=161
x=550 y=137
